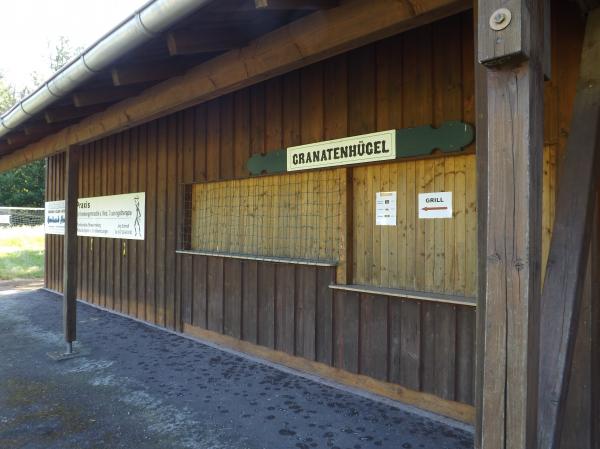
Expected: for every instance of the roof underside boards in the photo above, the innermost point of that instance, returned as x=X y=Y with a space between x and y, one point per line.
x=217 y=28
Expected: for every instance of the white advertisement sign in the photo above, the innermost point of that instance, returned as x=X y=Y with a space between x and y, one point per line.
x=435 y=205
x=372 y=147
x=115 y=216
x=54 y=217
x=385 y=208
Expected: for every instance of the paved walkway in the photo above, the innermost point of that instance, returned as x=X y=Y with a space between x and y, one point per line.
x=141 y=387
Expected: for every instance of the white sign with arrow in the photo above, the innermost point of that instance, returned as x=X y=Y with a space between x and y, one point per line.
x=435 y=205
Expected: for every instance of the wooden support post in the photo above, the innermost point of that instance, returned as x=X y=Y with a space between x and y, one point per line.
x=570 y=244
x=578 y=427
x=70 y=245
x=509 y=43
x=595 y=325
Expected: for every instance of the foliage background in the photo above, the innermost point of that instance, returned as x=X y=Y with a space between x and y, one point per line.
x=24 y=186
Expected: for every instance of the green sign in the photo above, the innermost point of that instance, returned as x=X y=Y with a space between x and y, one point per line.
x=421 y=141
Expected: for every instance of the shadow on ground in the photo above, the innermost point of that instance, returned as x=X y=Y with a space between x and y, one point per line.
x=141 y=387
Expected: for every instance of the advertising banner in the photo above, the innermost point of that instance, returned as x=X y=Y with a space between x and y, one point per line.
x=114 y=216
x=54 y=217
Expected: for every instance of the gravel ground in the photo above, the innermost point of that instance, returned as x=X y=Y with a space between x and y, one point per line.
x=141 y=387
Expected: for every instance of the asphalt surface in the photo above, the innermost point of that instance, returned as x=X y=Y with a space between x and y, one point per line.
x=141 y=387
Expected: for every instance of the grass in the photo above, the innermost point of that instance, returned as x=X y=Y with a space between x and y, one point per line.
x=21 y=252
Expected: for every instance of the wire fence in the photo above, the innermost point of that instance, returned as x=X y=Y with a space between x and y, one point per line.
x=21 y=216
x=21 y=243
x=289 y=216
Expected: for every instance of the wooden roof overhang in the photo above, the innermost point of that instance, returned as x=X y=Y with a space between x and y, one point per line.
x=222 y=47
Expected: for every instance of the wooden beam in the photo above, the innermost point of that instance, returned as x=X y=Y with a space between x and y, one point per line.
x=569 y=247
x=6 y=147
x=193 y=41
x=68 y=113
x=105 y=95
x=20 y=138
x=146 y=72
x=295 y=4
x=37 y=128
x=508 y=343
x=303 y=42
x=70 y=244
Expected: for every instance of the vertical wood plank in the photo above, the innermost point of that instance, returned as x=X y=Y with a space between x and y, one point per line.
x=96 y=241
x=250 y=301
x=324 y=316
x=142 y=245
x=395 y=341
x=374 y=336
x=112 y=245
x=124 y=143
x=465 y=355
x=117 y=253
x=48 y=175
x=200 y=292
x=187 y=164
x=306 y=291
x=242 y=132
x=106 y=144
x=151 y=204
x=257 y=119
x=215 y=294
x=132 y=245
x=445 y=351
x=347 y=319
x=83 y=241
x=285 y=298
x=161 y=221
x=213 y=140
x=171 y=307
x=233 y=298
x=266 y=304
x=410 y=343
x=227 y=138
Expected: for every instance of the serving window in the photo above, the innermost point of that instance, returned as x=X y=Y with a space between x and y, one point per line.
x=294 y=216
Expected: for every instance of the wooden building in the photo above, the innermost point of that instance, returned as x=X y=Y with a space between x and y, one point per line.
x=292 y=266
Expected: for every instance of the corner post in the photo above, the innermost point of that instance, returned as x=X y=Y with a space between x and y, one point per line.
x=510 y=47
x=70 y=246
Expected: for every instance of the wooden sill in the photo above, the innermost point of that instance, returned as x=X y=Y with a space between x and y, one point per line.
x=408 y=294
x=290 y=260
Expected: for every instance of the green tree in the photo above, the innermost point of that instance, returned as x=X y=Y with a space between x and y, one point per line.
x=7 y=95
x=24 y=186
x=62 y=53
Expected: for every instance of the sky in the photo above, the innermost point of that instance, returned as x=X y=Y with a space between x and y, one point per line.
x=29 y=29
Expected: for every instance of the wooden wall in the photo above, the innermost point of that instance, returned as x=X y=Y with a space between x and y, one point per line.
x=53 y=254
x=423 y=255
x=423 y=76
